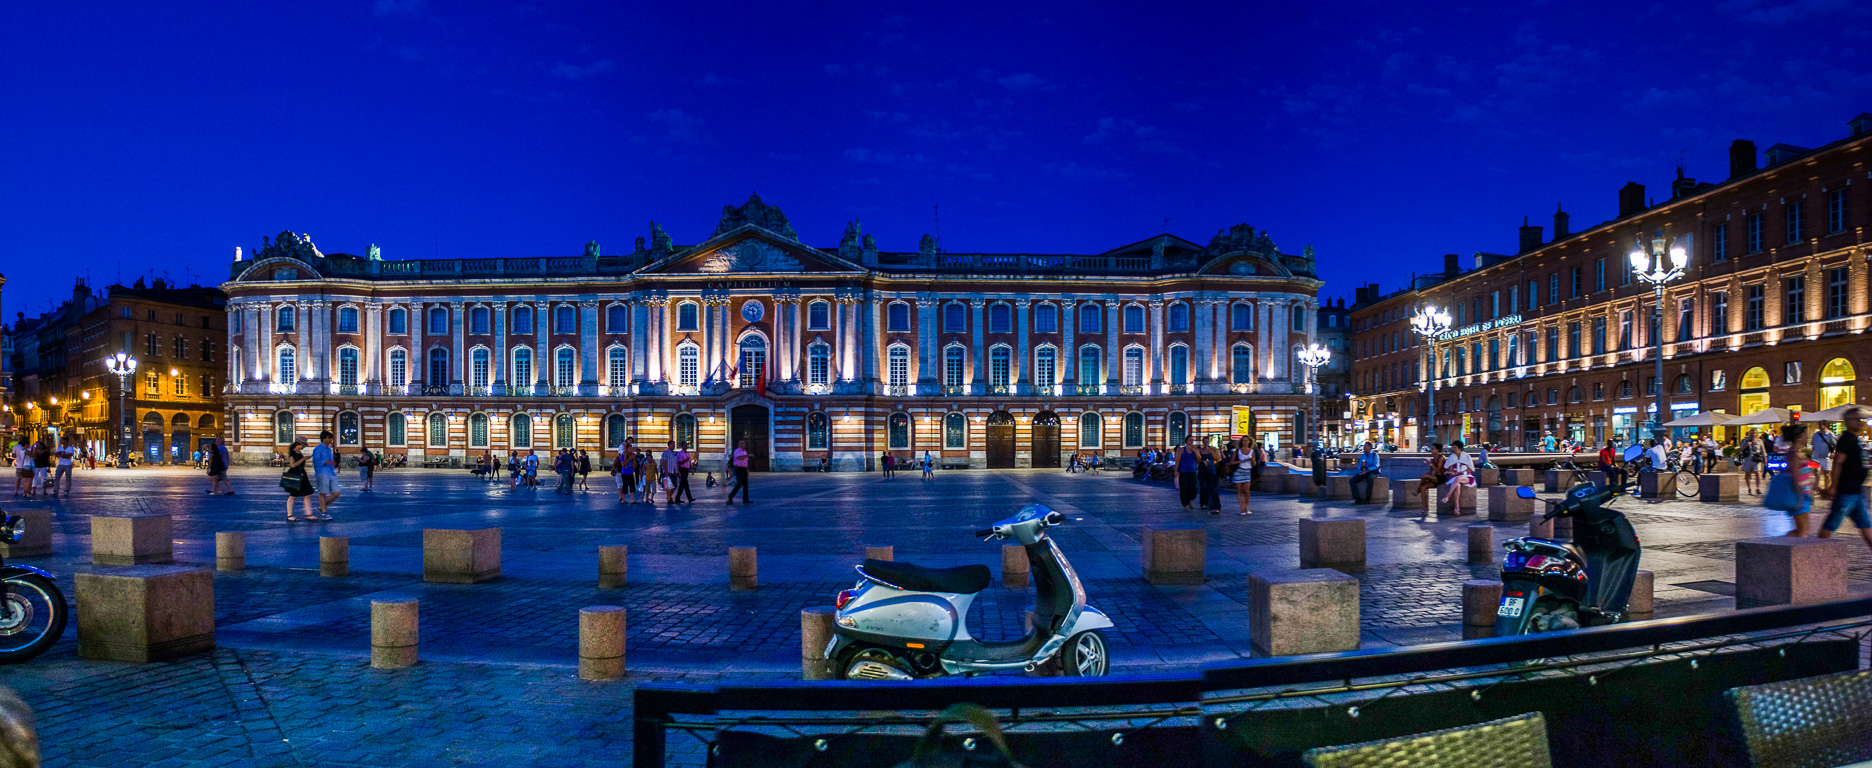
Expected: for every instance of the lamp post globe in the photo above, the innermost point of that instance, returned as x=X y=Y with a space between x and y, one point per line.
x=1658 y=265
x=124 y=366
x=1430 y=321
x=1313 y=357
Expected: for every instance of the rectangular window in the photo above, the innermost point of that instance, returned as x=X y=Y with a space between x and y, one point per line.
x=1514 y=299
x=1573 y=339
x=181 y=347
x=1796 y=221
x=1836 y=210
x=1719 y=241
x=1686 y=314
x=1719 y=381
x=1598 y=336
x=1494 y=304
x=181 y=384
x=207 y=350
x=1533 y=294
x=818 y=365
x=149 y=342
x=1795 y=310
x=1578 y=283
x=1046 y=319
x=1044 y=373
x=1836 y=293
x=1553 y=287
x=1624 y=330
x=1754 y=233
x=1719 y=313
x=1553 y=343
x=1754 y=317
x=1792 y=373
x=347 y=320
x=1599 y=275
x=897 y=318
x=1089 y=316
x=952 y=367
x=819 y=316
x=955 y=318
x=399 y=321
x=899 y=366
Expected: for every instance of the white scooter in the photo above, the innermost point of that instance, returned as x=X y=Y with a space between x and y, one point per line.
x=905 y=621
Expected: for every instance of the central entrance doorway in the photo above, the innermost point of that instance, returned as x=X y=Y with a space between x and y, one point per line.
x=1046 y=446
x=749 y=422
x=1000 y=440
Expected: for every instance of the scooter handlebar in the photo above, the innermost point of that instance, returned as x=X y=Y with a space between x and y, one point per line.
x=985 y=532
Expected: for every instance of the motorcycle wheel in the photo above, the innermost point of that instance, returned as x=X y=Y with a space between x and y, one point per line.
x=32 y=617
x=1086 y=655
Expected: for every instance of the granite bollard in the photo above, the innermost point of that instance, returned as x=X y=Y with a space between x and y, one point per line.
x=1719 y=487
x=1506 y=505
x=1337 y=543
x=1295 y=484
x=1303 y=611
x=1480 y=599
x=815 y=635
x=454 y=556
x=1175 y=554
x=601 y=642
x=1014 y=566
x=145 y=613
x=743 y=568
x=1488 y=476
x=1481 y=543
x=142 y=539
x=1520 y=476
x=1557 y=480
x=1405 y=495
x=393 y=633
x=334 y=556
x=230 y=551
x=885 y=552
x=613 y=566
x=1643 y=605
x=1785 y=570
x=1654 y=485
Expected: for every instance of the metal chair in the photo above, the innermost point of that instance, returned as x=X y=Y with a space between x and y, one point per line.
x=1519 y=741
x=1821 y=721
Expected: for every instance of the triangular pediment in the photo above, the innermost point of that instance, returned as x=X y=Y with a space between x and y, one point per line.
x=751 y=250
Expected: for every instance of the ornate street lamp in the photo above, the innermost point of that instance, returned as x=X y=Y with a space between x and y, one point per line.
x=1313 y=357
x=1430 y=322
x=1650 y=267
x=124 y=366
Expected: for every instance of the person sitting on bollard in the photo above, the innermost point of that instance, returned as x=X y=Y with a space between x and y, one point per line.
x=1367 y=469
x=1461 y=471
x=1609 y=462
x=1435 y=473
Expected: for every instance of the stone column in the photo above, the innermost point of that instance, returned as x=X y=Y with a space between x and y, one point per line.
x=871 y=335
x=926 y=342
x=1283 y=339
x=418 y=356
x=783 y=344
x=641 y=348
x=1154 y=357
x=373 y=347
x=1067 y=366
x=1111 y=347
x=1202 y=367
x=588 y=338
x=458 y=322
x=654 y=330
x=1018 y=375
x=975 y=374
x=498 y=359
x=795 y=338
x=848 y=331
x=1265 y=333
x=542 y=359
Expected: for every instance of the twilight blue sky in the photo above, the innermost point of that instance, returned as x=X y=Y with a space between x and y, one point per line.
x=139 y=137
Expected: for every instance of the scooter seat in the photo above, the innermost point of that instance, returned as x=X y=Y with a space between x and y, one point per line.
x=966 y=580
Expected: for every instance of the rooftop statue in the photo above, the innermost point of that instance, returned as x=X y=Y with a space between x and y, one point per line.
x=288 y=245
x=591 y=249
x=373 y=253
x=757 y=213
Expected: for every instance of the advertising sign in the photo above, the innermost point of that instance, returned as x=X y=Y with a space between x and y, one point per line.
x=1243 y=421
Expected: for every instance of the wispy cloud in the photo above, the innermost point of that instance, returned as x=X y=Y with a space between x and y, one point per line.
x=680 y=127
x=580 y=72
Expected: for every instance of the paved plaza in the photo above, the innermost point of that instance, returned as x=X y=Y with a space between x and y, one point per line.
x=290 y=683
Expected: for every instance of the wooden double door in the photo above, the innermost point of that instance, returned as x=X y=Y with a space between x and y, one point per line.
x=1000 y=440
x=749 y=422
x=1046 y=440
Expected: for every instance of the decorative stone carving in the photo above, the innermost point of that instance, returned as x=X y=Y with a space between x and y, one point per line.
x=288 y=245
x=756 y=213
x=751 y=256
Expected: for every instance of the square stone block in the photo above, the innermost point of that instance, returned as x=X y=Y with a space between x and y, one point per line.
x=1295 y=483
x=1312 y=610
x=1487 y=476
x=1784 y=570
x=1556 y=479
x=453 y=556
x=1506 y=507
x=1380 y=489
x=1404 y=495
x=1719 y=487
x=1465 y=500
x=1597 y=477
x=1309 y=489
x=35 y=539
x=1332 y=543
x=1642 y=606
x=145 y=613
x=1652 y=485
x=1339 y=487
x=1520 y=476
x=130 y=539
x=1175 y=554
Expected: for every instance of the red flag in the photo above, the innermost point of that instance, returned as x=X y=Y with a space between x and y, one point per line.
x=760 y=382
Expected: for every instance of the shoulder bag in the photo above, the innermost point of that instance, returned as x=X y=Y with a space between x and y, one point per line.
x=1781 y=495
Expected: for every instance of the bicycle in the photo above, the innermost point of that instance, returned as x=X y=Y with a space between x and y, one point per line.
x=1686 y=478
x=1572 y=474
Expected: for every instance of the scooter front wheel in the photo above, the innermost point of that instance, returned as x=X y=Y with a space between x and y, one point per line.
x=32 y=617
x=1086 y=655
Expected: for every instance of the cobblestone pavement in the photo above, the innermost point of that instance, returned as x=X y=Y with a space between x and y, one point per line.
x=290 y=684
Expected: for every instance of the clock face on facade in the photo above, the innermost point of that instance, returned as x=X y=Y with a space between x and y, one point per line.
x=752 y=311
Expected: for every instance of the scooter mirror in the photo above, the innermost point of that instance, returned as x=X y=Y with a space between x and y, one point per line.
x=1632 y=453
x=1055 y=518
x=1524 y=492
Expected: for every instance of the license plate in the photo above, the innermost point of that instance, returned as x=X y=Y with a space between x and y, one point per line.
x=1511 y=607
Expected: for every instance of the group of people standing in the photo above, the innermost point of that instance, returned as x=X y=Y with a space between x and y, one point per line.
x=1201 y=469
x=892 y=465
x=41 y=466
x=639 y=473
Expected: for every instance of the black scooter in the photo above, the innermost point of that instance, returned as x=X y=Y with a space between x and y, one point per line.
x=32 y=610
x=1550 y=585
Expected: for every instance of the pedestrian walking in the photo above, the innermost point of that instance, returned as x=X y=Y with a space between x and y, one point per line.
x=63 y=456
x=565 y=465
x=296 y=482
x=1792 y=489
x=325 y=473
x=218 y=468
x=1846 y=482
x=584 y=469
x=366 y=468
x=1747 y=453
x=624 y=471
x=738 y=464
x=929 y=467
x=669 y=466
x=42 y=464
x=685 y=464
x=1186 y=461
x=884 y=461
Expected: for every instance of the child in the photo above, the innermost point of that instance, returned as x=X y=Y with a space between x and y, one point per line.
x=710 y=480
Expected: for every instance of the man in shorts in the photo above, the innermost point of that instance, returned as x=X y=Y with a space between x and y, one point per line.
x=325 y=473
x=1847 y=489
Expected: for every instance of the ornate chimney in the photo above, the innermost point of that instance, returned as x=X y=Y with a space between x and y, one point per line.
x=1562 y=223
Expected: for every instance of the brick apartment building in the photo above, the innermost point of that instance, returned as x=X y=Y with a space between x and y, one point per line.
x=1771 y=311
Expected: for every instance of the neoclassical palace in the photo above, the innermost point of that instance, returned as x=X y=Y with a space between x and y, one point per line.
x=840 y=354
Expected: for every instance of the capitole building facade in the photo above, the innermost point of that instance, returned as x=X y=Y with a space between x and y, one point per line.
x=837 y=354
x=1560 y=339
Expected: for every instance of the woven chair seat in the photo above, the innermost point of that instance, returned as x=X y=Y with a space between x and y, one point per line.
x=1822 y=721
x=1517 y=742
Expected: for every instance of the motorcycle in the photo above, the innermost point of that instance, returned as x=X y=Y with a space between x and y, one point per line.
x=1550 y=585
x=904 y=621
x=32 y=609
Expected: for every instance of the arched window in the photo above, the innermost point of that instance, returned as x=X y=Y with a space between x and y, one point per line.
x=1091 y=364
x=1684 y=385
x=438 y=321
x=1836 y=383
x=1046 y=366
x=523 y=320
x=1241 y=317
x=953 y=366
x=522 y=368
x=394 y=430
x=1179 y=317
x=1089 y=317
x=1241 y=364
x=688 y=365
x=617 y=430
x=1134 y=430
x=288 y=371
x=285 y=322
x=897 y=427
x=520 y=431
x=682 y=428
x=399 y=320
x=399 y=367
x=1000 y=319
x=819 y=316
x=565 y=367
x=438 y=430
x=686 y=316
x=565 y=319
x=347 y=319
x=477 y=430
x=617 y=366
x=479 y=367
x=347 y=367
x=1133 y=319
x=283 y=431
x=1134 y=367
x=478 y=320
x=818 y=432
x=818 y=364
x=753 y=361
x=955 y=431
x=617 y=318
x=1046 y=319
x=1090 y=430
x=562 y=431
x=1177 y=425
x=1000 y=365
x=955 y=317
x=438 y=366
x=899 y=372
x=1179 y=364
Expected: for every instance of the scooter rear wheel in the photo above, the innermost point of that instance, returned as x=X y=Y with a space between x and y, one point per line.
x=1086 y=655
x=32 y=617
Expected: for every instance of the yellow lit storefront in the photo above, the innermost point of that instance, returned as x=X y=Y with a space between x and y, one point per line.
x=1836 y=383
